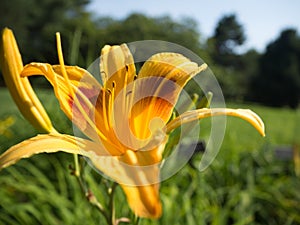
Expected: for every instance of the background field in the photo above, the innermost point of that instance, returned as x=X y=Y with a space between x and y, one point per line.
x=246 y=184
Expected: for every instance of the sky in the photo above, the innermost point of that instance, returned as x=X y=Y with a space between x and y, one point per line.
x=262 y=20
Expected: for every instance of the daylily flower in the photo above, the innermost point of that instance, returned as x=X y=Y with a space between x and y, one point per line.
x=126 y=120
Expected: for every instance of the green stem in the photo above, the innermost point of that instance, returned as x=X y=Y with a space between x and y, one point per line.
x=136 y=220
x=112 y=204
x=77 y=169
x=93 y=200
x=88 y=193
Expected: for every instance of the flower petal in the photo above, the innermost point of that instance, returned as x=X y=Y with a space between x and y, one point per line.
x=172 y=66
x=244 y=114
x=117 y=67
x=157 y=89
x=80 y=103
x=140 y=184
x=19 y=87
x=83 y=84
x=138 y=174
x=85 y=89
x=62 y=92
x=144 y=200
x=50 y=143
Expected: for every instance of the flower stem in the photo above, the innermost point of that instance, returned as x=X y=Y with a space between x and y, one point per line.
x=77 y=169
x=112 y=204
x=87 y=192
x=136 y=220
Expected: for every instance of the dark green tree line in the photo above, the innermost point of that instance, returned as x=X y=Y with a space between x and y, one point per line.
x=231 y=67
x=278 y=81
x=35 y=22
x=229 y=34
x=271 y=77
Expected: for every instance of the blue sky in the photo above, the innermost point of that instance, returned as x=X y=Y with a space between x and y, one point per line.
x=262 y=20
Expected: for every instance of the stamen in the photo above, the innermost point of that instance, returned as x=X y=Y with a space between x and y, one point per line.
x=104 y=110
x=61 y=62
x=131 y=98
x=111 y=104
x=70 y=89
x=113 y=84
x=103 y=77
x=124 y=99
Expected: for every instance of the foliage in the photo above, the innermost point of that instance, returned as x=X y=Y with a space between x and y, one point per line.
x=229 y=66
x=246 y=184
x=36 y=23
x=229 y=34
x=278 y=83
x=138 y=27
x=272 y=78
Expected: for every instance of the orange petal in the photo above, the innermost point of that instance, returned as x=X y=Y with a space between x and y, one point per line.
x=138 y=174
x=83 y=84
x=144 y=200
x=143 y=193
x=172 y=66
x=140 y=184
x=157 y=89
x=80 y=107
x=50 y=143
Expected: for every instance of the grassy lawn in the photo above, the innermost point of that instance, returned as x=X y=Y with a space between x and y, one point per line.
x=246 y=184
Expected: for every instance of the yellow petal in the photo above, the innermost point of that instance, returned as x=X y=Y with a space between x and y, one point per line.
x=138 y=174
x=19 y=87
x=88 y=89
x=50 y=143
x=157 y=89
x=144 y=200
x=84 y=111
x=140 y=184
x=244 y=114
x=172 y=66
x=116 y=67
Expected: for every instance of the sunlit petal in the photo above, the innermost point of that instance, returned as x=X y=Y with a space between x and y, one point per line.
x=244 y=114
x=140 y=184
x=172 y=66
x=87 y=91
x=138 y=175
x=157 y=89
x=117 y=67
x=144 y=200
x=50 y=143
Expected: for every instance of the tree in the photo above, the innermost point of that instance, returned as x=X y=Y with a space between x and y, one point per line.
x=226 y=60
x=278 y=82
x=137 y=27
x=35 y=22
x=229 y=34
x=250 y=62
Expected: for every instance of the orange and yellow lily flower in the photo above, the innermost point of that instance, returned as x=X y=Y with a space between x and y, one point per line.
x=126 y=120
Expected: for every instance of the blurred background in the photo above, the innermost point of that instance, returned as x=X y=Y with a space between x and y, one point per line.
x=253 y=48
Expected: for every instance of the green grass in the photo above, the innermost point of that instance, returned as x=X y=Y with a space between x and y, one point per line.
x=245 y=184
